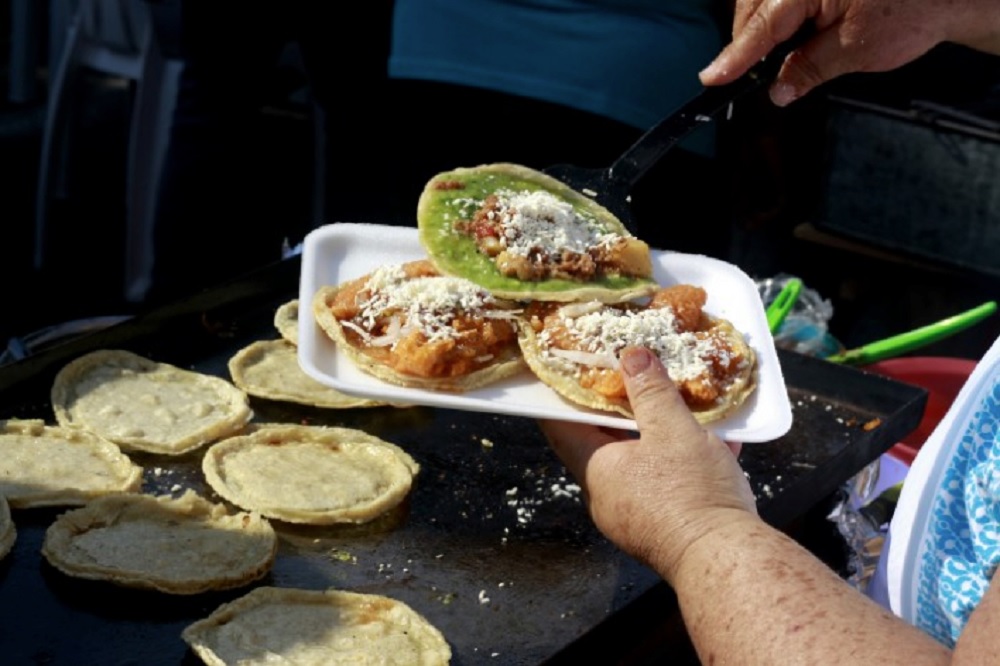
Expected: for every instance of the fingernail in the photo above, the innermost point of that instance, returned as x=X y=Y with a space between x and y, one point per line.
x=783 y=94
x=713 y=71
x=635 y=361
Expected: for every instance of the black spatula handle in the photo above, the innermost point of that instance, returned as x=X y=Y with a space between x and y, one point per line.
x=703 y=108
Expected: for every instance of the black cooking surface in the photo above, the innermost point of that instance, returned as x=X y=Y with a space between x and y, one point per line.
x=494 y=545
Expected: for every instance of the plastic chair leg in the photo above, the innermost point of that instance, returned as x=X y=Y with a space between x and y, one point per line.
x=152 y=115
x=52 y=163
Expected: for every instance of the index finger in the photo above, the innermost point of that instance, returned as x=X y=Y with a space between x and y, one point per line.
x=770 y=23
x=575 y=443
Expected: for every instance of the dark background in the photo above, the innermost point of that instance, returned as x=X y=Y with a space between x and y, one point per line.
x=810 y=189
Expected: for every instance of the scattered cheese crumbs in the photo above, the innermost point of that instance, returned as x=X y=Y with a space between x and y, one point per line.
x=569 y=490
x=525 y=507
x=483 y=599
x=176 y=488
x=487 y=443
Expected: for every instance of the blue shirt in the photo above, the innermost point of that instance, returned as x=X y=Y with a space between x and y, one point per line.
x=633 y=61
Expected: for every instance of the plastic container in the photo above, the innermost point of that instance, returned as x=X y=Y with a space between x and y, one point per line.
x=942 y=376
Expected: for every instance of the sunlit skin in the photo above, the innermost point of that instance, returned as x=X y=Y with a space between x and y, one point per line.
x=677 y=499
x=849 y=36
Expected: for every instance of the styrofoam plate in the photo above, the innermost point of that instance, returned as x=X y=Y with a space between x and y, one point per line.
x=336 y=253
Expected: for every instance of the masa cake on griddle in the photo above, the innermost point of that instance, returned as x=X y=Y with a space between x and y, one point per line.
x=8 y=533
x=270 y=369
x=145 y=405
x=44 y=465
x=317 y=475
x=524 y=235
x=183 y=545
x=272 y=625
x=286 y=320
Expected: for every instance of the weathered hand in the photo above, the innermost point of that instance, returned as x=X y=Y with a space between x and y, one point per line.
x=850 y=36
x=656 y=495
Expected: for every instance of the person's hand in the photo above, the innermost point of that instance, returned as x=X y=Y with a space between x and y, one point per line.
x=850 y=36
x=656 y=495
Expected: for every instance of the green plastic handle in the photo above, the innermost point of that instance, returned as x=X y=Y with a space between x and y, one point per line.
x=906 y=342
x=782 y=304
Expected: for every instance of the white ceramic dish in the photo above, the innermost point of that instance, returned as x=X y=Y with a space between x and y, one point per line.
x=335 y=253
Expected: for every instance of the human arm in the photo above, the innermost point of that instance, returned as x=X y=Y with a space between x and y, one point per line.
x=677 y=500
x=849 y=36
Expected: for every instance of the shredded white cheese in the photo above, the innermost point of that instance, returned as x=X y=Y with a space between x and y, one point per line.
x=426 y=304
x=598 y=333
x=540 y=223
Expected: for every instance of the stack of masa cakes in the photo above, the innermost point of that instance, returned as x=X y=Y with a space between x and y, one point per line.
x=121 y=417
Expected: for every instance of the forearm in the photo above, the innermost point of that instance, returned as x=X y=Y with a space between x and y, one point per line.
x=751 y=595
x=980 y=640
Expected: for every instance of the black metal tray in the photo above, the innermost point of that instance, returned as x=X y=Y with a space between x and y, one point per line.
x=494 y=546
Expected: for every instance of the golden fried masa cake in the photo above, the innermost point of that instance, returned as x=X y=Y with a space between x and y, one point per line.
x=524 y=235
x=573 y=348
x=144 y=405
x=286 y=320
x=183 y=545
x=270 y=369
x=8 y=535
x=272 y=625
x=310 y=474
x=51 y=466
x=408 y=325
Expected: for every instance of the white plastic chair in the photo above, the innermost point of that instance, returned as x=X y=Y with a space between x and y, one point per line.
x=117 y=38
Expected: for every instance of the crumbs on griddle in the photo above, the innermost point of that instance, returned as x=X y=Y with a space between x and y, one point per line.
x=525 y=507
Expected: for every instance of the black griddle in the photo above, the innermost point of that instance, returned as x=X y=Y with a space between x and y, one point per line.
x=494 y=546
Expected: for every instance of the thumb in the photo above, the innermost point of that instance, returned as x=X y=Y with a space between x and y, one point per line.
x=657 y=404
x=821 y=59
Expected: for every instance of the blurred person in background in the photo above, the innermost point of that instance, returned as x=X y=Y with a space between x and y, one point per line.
x=676 y=498
x=237 y=178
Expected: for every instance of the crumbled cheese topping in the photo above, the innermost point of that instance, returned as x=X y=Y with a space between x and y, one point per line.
x=601 y=332
x=539 y=220
x=534 y=222
x=428 y=304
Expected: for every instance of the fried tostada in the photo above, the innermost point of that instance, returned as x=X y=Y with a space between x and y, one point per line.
x=573 y=348
x=524 y=235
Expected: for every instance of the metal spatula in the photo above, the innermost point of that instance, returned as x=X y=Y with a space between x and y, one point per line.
x=611 y=186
